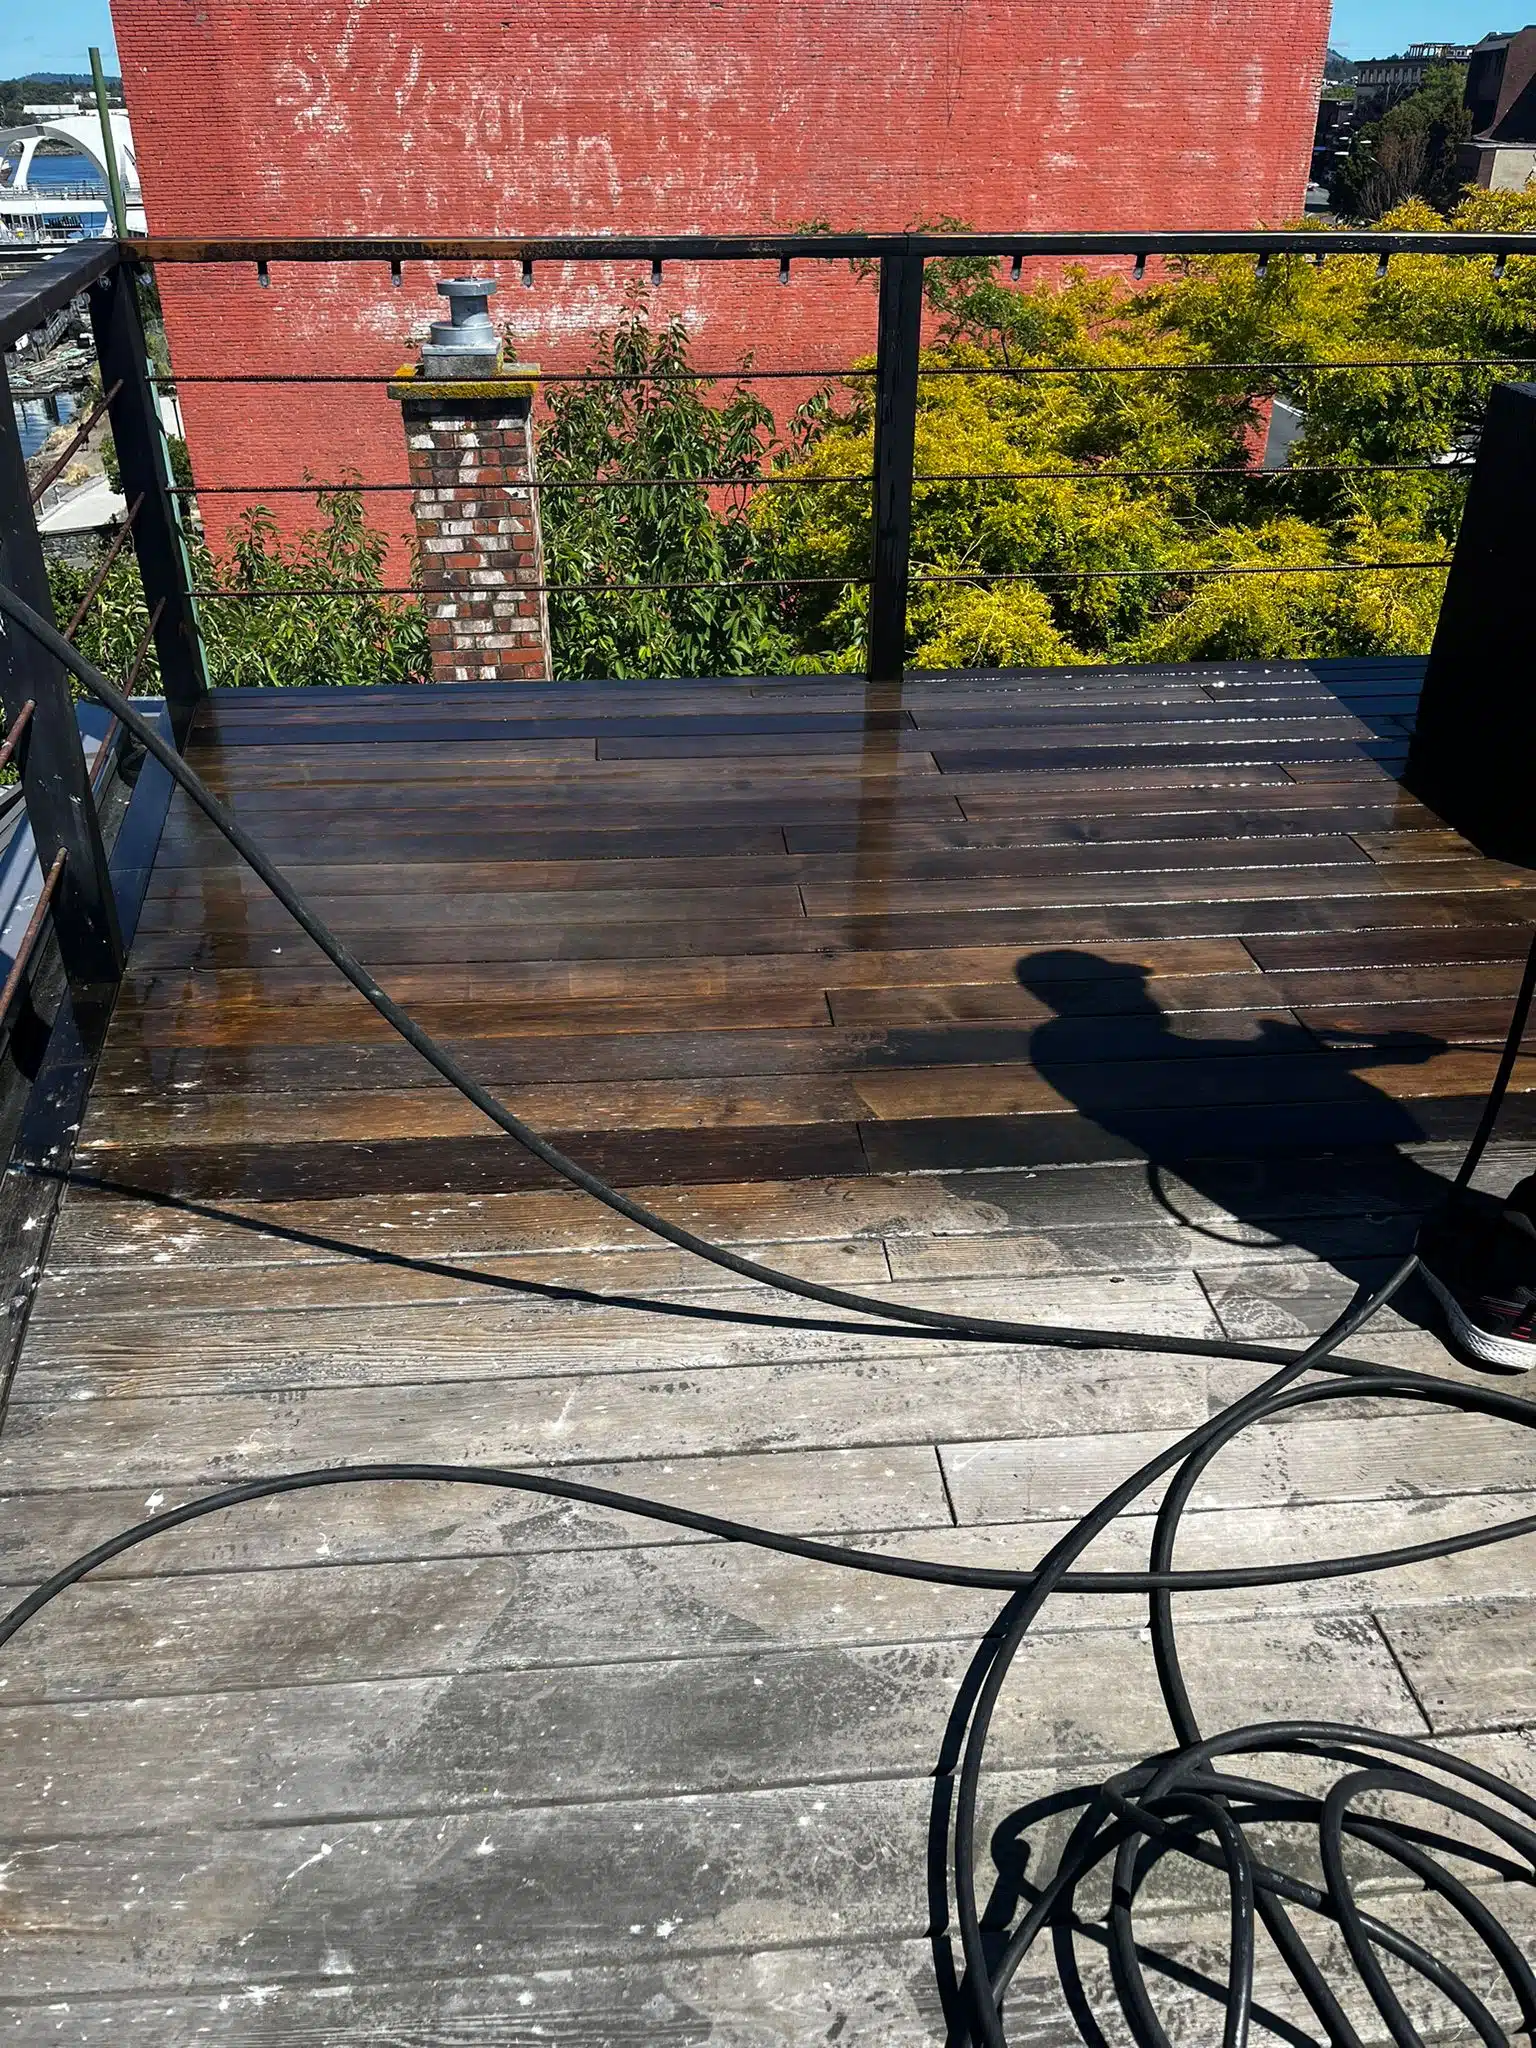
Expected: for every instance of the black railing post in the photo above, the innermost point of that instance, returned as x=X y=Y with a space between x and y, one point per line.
x=144 y=458
x=1470 y=758
x=60 y=806
x=900 y=336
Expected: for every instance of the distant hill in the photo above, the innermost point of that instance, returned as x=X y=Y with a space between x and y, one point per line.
x=1338 y=70
x=80 y=80
x=56 y=86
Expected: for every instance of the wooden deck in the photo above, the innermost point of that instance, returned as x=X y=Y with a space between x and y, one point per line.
x=1047 y=995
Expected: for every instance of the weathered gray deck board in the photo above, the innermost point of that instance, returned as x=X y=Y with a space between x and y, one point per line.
x=301 y=1623
x=484 y=1740
x=96 y=1233
x=208 y=1438
x=866 y=1996
x=346 y=1889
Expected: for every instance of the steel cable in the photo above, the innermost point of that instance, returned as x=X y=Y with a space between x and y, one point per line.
x=1176 y=1803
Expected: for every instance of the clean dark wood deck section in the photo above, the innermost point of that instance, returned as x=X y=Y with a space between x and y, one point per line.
x=1135 y=997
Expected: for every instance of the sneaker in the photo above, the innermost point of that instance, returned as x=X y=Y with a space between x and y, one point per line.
x=1478 y=1259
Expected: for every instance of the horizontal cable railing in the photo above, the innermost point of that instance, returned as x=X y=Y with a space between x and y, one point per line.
x=893 y=502
x=1103 y=473
x=1405 y=565
x=894 y=389
x=21 y=966
x=241 y=592
x=652 y=256
x=74 y=444
x=746 y=374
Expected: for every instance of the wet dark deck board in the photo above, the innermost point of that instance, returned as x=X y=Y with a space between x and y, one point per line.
x=1054 y=994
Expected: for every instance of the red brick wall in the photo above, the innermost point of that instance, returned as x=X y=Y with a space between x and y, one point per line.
x=456 y=116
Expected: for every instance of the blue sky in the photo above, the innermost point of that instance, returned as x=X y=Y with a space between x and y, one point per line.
x=55 y=36
x=1380 y=28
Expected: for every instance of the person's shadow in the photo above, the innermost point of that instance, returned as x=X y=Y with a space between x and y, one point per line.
x=1267 y=1125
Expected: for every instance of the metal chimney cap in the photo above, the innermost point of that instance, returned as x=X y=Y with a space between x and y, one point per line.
x=462 y=294
x=467 y=344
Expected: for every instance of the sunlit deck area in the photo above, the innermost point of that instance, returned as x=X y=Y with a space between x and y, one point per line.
x=1143 y=998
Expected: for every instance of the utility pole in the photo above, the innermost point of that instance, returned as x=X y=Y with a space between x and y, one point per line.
x=109 y=148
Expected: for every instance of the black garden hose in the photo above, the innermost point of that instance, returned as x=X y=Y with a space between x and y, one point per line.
x=1179 y=1802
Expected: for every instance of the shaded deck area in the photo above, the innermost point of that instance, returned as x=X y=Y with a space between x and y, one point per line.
x=1134 y=997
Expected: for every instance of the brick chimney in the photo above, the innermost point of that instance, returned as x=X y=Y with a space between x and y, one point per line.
x=469 y=443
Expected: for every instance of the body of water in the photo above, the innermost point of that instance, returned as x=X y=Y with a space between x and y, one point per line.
x=37 y=418
x=66 y=170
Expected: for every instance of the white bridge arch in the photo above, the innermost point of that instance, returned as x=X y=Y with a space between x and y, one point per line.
x=36 y=214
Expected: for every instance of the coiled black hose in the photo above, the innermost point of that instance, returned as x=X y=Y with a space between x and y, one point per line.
x=1178 y=1802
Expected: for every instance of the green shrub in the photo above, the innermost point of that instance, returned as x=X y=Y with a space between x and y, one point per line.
x=282 y=641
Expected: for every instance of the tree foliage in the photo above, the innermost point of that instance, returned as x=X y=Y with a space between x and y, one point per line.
x=1149 y=477
x=1131 y=520
x=275 y=642
x=271 y=642
x=1411 y=152
x=181 y=462
x=657 y=441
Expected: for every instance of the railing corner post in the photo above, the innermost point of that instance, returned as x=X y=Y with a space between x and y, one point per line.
x=896 y=367
x=1469 y=759
x=144 y=459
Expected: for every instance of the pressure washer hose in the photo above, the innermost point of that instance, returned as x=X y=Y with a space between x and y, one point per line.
x=1177 y=1802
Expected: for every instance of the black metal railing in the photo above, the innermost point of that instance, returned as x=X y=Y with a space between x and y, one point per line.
x=898 y=370
x=45 y=741
x=43 y=746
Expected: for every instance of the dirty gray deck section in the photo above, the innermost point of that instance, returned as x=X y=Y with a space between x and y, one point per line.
x=1041 y=995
